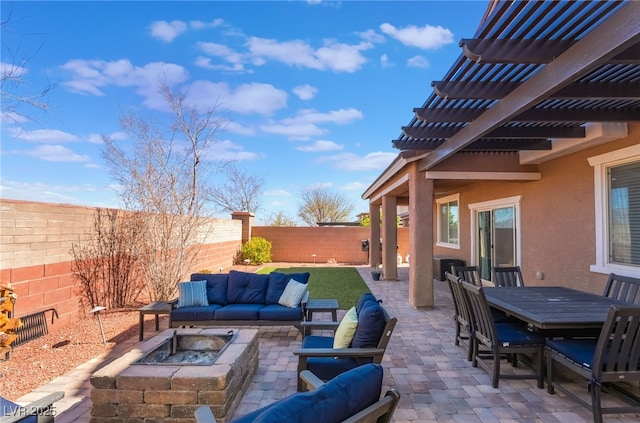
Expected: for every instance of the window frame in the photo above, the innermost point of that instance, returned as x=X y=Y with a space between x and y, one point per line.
x=601 y=165
x=439 y=202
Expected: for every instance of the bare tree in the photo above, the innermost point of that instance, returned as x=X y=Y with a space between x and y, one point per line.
x=106 y=262
x=280 y=219
x=15 y=96
x=240 y=192
x=321 y=205
x=161 y=176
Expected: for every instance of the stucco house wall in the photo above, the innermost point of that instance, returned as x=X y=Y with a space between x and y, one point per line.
x=557 y=218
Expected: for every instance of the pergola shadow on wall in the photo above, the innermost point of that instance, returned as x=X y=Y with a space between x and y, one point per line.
x=538 y=80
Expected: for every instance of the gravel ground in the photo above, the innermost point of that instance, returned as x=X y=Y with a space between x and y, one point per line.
x=39 y=361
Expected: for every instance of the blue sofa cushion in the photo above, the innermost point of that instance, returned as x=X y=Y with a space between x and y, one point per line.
x=246 y=288
x=326 y=367
x=278 y=281
x=239 y=312
x=194 y=313
x=280 y=312
x=333 y=402
x=216 y=286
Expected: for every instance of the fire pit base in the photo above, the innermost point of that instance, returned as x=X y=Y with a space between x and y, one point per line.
x=149 y=393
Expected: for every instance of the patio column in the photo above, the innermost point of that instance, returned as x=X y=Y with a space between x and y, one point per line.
x=374 y=237
x=420 y=239
x=389 y=238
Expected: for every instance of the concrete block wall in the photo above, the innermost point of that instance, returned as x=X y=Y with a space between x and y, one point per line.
x=35 y=244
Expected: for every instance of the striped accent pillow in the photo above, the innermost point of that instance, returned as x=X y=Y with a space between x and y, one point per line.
x=293 y=293
x=192 y=294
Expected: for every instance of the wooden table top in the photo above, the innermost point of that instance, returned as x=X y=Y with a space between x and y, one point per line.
x=552 y=307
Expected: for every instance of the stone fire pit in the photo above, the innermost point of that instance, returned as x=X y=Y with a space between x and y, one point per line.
x=124 y=391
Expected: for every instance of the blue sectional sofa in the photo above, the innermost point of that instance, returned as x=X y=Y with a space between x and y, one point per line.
x=242 y=299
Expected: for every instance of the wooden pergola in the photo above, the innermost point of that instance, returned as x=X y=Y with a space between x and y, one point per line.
x=534 y=73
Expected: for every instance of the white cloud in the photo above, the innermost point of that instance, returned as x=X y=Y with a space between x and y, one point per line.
x=42 y=135
x=97 y=138
x=40 y=191
x=239 y=129
x=305 y=92
x=352 y=162
x=167 y=31
x=203 y=25
x=277 y=193
x=228 y=150
x=372 y=36
x=384 y=61
x=205 y=63
x=263 y=99
x=11 y=70
x=295 y=131
x=91 y=76
x=55 y=153
x=320 y=145
x=337 y=57
x=304 y=125
x=354 y=186
x=418 y=62
x=427 y=37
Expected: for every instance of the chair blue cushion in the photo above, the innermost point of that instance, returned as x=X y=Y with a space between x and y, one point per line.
x=517 y=335
x=216 y=286
x=317 y=341
x=280 y=313
x=333 y=402
x=194 y=313
x=239 y=312
x=246 y=288
x=580 y=351
x=278 y=281
x=371 y=323
x=326 y=368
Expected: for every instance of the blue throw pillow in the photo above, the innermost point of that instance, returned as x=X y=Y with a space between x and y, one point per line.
x=333 y=402
x=364 y=298
x=192 y=294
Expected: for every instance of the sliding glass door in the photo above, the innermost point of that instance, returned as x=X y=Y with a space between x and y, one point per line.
x=495 y=239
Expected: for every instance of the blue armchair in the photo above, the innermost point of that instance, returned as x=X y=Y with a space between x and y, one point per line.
x=352 y=397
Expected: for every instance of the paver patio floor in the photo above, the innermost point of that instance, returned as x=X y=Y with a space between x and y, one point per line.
x=435 y=380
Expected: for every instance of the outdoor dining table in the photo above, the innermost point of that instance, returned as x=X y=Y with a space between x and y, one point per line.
x=553 y=310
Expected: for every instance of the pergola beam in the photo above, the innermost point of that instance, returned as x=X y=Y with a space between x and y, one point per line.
x=530 y=51
x=609 y=39
x=495 y=90
x=502 y=132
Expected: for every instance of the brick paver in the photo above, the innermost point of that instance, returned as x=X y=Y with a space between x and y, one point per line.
x=435 y=380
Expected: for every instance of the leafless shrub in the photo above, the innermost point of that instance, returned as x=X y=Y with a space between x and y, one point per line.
x=105 y=263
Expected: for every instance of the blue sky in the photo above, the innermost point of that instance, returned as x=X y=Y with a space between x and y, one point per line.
x=315 y=91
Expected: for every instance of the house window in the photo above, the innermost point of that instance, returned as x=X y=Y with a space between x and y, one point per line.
x=448 y=227
x=617 y=193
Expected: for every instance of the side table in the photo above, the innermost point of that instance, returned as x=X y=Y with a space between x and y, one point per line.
x=327 y=305
x=156 y=308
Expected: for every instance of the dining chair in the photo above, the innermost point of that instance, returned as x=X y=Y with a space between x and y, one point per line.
x=507 y=276
x=467 y=273
x=623 y=288
x=501 y=341
x=611 y=358
x=462 y=316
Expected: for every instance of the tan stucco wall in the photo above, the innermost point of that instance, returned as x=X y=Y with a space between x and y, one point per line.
x=557 y=218
x=298 y=244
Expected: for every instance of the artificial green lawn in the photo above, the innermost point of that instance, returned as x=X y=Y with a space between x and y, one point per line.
x=341 y=283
